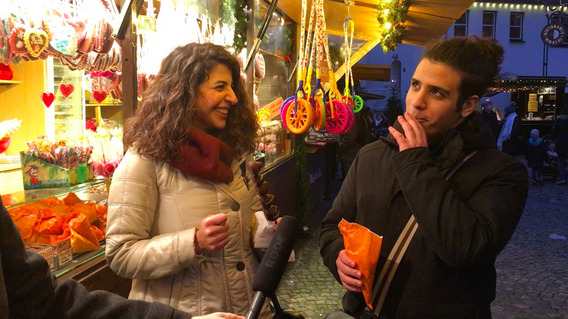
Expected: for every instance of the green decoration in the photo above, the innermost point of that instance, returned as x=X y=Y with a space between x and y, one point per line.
x=227 y=12
x=392 y=15
x=240 y=37
x=301 y=204
x=289 y=34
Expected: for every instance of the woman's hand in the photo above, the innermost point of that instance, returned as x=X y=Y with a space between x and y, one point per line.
x=212 y=234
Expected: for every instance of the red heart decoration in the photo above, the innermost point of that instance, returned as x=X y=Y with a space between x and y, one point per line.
x=66 y=89
x=47 y=99
x=99 y=96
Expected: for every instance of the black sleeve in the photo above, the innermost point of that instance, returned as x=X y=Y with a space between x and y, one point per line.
x=72 y=300
x=27 y=281
x=32 y=292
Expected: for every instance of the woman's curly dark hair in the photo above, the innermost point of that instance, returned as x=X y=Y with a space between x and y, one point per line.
x=168 y=106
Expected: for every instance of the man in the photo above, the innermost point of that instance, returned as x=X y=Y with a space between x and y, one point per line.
x=350 y=143
x=28 y=290
x=463 y=223
x=490 y=117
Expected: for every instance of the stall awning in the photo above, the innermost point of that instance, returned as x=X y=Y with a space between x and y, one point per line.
x=427 y=20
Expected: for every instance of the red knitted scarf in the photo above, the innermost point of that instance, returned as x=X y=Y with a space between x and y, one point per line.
x=204 y=156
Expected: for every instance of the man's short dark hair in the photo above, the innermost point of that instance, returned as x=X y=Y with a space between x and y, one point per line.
x=478 y=61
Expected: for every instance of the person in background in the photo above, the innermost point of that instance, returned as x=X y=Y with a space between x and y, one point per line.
x=560 y=136
x=29 y=290
x=535 y=155
x=510 y=139
x=448 y=269
x=349 y=143
x=381 y=124
x=490 y=117
x=181 y=203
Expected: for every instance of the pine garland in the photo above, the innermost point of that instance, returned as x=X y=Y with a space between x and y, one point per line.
x=392 y=15
x=227 y=12
x=240 y=37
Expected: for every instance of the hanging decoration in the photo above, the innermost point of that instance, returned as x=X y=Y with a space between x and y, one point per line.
x=66 y=89
x=392 y=15
x=47 y=99
x=99 y=96
x=77 y=32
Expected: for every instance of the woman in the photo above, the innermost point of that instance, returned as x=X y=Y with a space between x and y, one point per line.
x=510 y=140
x=180 y=210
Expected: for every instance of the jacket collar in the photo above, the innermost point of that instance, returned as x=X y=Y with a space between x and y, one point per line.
x=204 y=156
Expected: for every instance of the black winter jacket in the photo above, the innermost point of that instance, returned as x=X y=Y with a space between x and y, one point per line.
x=28 y=290
x=464 y=223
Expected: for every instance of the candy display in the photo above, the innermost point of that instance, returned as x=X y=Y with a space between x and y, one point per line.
x=63 y=153
x=52 y=220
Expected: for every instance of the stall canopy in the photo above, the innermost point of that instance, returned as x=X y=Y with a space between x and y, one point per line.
x=427 y=20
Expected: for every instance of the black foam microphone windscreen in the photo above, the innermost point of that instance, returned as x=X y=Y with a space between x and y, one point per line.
x=274 y=261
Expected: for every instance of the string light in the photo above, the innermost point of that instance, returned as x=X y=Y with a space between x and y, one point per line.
x=526 y=84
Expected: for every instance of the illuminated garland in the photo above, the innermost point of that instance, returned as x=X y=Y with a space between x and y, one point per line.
x=525 y=84
x=392 y=15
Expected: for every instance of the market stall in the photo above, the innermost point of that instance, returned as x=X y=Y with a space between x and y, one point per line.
x=84 y=64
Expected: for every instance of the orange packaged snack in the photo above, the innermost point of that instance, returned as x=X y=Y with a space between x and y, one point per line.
x=363 y=247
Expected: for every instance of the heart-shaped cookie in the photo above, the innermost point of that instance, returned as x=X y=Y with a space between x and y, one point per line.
x=36 y=41
x=99 y=96
x=66 y=89
x=47 y=99
x=17 y=43
x=64 y=40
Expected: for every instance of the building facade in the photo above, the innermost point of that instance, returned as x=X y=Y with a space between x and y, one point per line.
x=534 y=36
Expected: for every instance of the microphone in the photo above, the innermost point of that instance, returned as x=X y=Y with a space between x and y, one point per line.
x=273 y=263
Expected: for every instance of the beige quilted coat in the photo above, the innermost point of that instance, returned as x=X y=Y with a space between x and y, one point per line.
x=153 y=210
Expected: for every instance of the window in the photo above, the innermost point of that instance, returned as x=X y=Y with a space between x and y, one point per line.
x=488 y=26
x=460 y=27
x=516 y=26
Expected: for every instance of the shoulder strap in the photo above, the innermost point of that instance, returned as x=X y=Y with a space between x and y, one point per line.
x=393 y=260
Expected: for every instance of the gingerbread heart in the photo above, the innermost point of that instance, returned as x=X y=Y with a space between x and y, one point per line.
x=17 y=43
x=64 y=40
x=47 y=99
x=36 y=41
x=99 y=96
x=66 y=89
x=79 y=28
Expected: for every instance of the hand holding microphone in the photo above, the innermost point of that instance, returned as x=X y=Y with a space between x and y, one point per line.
x=212 y=234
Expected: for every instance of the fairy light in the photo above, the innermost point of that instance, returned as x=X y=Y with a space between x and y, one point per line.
x=391 y=18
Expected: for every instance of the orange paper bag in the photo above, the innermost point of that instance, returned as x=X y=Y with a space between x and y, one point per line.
x=363 y=247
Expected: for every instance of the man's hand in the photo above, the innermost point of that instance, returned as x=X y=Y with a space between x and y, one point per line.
x=217 y=315
x=348 y=272
x=414 y=134
x=212 y=234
